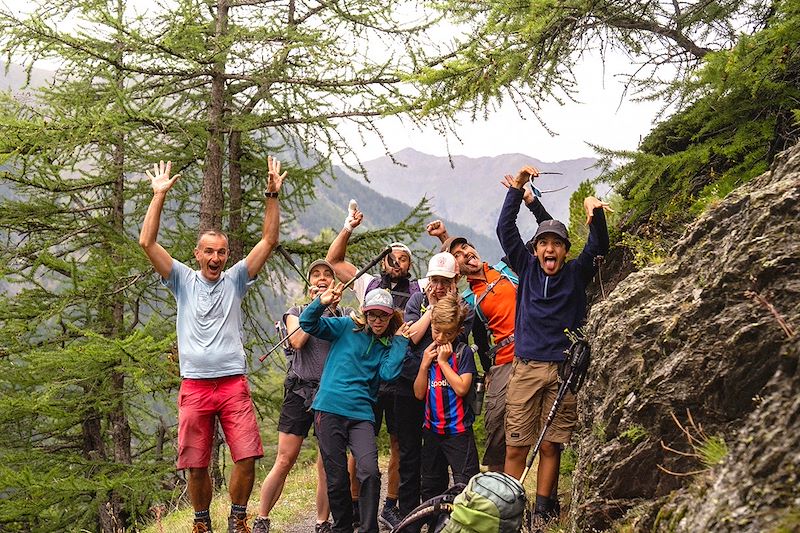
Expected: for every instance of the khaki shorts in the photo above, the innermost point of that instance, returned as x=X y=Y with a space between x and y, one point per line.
x=532 y=390
x=495 y=413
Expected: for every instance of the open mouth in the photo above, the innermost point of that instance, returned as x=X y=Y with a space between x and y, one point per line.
x=550 y=262
x=214 y=269
x=472 y=260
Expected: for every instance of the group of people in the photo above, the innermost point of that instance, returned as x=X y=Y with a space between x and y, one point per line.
x=403 y=356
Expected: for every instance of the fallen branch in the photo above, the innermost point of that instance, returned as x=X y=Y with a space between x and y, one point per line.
x=790 y=332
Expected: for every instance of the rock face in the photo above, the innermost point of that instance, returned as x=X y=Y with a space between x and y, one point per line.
x=695 y=343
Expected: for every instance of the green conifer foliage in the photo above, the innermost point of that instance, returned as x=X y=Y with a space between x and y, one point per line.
x=742 y=110
x=88 y=369
x=578 y=229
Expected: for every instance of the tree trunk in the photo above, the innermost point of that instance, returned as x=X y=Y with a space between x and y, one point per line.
x=235 y=230
x=211 y=198
x=113 y=517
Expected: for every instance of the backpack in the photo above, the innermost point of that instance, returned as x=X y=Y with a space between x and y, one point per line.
x=492 y=502
x=469 y=296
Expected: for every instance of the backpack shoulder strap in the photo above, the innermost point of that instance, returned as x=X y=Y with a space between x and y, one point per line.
x=459 y=351
x=506 y=272
x=413 y=287
x=373 y=284
x=468 y=296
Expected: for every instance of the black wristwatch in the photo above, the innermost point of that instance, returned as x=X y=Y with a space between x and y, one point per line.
x=268 y=194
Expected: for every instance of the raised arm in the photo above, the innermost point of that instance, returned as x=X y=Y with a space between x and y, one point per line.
x=531 y=202
x=326 y=328
x=507 y=231
x=597 y=242
x=437 y=229
x=344 y=271
x=161 y=182
x=272 y=220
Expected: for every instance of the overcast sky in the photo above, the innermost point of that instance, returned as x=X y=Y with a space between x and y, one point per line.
x=602 y=116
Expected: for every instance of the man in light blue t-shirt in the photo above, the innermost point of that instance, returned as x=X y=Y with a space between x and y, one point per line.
x=212 y=357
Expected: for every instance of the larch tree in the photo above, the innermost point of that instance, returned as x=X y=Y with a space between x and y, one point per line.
x=526 y=51
x=86 y=372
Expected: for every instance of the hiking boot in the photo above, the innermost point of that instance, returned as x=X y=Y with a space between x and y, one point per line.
x=322 y=527
x=238 y=524
x=261 y=525
x=390 y=516
x=201 y=526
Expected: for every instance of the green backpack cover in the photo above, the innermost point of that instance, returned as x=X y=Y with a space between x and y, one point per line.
x=492 y=502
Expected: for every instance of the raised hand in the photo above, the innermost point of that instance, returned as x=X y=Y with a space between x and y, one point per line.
x=274 y=176
x=404 y=330
x=590 y=203
x=332 y=295
x=524 y=175
x=353 y=219
x=436 y=229
x=159 y=178
x=527 y=195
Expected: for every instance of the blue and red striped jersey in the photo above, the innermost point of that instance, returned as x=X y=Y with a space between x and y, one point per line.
x=447 y=413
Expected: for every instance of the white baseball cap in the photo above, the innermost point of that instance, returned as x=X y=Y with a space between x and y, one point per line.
x=442 y=264
x=403 y=248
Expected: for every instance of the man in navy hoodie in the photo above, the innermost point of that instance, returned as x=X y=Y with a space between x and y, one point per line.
x=551 y=298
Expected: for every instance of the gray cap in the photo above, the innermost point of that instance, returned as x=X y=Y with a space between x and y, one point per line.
x=551 y=226
x=380 y=299
x=447 y=246
x=317 y=263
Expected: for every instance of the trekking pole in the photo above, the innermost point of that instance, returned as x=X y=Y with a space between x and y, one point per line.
x=385 y=253
x=598 y=261
x=285 y=254
x=579 y=365
x=539 y=192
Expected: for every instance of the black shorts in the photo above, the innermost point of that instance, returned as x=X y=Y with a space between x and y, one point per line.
x=294 y=418
x=385 y=405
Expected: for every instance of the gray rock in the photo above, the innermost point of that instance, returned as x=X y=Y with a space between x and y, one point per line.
x=690 y=338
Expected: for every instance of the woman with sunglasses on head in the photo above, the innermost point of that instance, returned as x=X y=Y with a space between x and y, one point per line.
x=366 y=348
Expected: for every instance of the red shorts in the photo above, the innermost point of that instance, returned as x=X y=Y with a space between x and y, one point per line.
x=199 y=401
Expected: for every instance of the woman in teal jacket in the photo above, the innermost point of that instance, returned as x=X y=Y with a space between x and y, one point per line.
x=366 y=349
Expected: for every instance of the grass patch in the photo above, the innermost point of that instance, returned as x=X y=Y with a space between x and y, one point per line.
x=708 y=450
x=298 y=499
x=599 y=432
x=634 y=434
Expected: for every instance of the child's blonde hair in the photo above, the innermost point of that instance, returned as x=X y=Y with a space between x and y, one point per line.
x=449 y=311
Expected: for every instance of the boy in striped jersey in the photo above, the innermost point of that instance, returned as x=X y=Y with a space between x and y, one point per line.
x=443 y=381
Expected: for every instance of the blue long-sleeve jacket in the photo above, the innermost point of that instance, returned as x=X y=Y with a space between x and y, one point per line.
x=547 y=305
x=357 y=363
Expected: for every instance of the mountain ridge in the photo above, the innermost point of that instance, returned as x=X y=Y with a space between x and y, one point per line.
x=467 y=189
